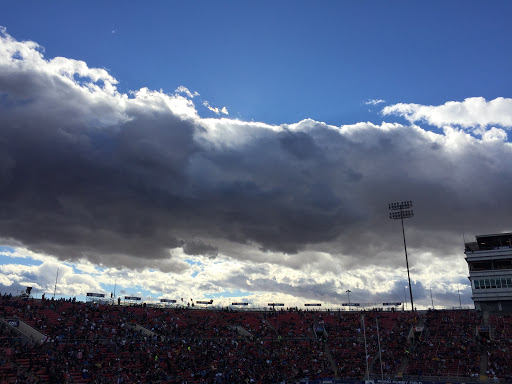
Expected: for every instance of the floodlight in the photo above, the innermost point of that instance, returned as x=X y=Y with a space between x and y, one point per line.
x=402 y=211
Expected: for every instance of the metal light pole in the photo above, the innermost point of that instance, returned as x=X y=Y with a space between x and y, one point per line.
x=405 y=299
x=431 y=299
x=348 y=293
x=402 y=211
x=365 y=348
x=380 y=350
x=55 y=289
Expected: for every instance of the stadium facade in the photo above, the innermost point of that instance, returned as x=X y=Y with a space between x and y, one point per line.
x=489 y=261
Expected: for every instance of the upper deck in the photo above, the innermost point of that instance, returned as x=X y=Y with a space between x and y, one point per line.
x=490 y=242
x=489 y=252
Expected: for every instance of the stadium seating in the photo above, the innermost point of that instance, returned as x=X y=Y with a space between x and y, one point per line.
x=100 y=343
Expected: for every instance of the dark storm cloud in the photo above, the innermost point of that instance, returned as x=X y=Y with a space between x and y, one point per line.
x=299 y=144
x=195 y=247
x=121 y=180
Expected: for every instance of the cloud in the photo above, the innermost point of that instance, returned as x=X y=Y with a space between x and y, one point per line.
x=217 y=111
x=473 y=112
x=14 y=278
x=494 y=134
x=374 y=101
x=200 y=248
x=226 y=279
x=185 y=90
x=140 y=180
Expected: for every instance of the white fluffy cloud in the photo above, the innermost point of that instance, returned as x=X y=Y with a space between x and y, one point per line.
x=216 y=110
x=495 y=134
x=227 y=280
x=186 y=91
x=374 y=101
x=473 y=112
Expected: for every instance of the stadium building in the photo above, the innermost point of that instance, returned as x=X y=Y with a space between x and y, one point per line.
x=489 y=261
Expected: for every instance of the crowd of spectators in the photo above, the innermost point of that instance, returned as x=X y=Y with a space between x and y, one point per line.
x=498 y=346
x=447 y=345
x=103 y=344
x=92 y=343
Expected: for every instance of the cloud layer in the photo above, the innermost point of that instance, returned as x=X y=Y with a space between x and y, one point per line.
x=132 y=180
x=227 y=281
x=473 y=112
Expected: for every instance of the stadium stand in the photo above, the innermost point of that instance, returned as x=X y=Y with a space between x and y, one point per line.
x=99 y=343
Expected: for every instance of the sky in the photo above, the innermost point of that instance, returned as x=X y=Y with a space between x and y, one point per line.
x=247 y=151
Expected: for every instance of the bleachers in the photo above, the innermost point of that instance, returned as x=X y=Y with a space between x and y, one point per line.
x=448 y=346
x=89 y=343
x=499 y=362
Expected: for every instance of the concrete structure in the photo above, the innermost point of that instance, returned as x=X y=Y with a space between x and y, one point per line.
x=489 y=261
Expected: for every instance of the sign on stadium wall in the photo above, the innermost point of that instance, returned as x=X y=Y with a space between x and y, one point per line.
x=405 y=382
x=331 y=381
x=239 y=303
x=132 y=298
x=13 y=323
x=391 y=304
x=90 y=294
x=167 y=301
x=341 y=381
x=276 y=304
x=312 y=305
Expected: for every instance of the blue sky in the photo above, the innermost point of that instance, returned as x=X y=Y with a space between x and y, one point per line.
x=248 y=150
x=281 y=62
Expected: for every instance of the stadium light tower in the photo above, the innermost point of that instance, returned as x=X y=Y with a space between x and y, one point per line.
x=403 y=211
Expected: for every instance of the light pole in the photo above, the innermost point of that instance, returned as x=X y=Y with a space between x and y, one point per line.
x=55 y=289
x=431 y=299
x=460 y=302
x=405 y=298
x=348 y=293
x=402 y=211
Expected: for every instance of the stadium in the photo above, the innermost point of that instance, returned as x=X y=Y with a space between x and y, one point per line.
x=206 y=183
x=105 y=340
x=64 y=341
x=122 y=339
